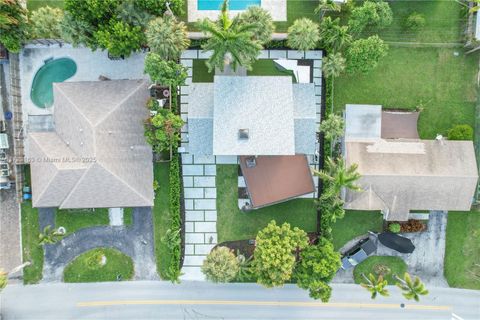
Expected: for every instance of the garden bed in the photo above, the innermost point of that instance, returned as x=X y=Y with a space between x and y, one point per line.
x=380 y=265
x=97 y=265
x=409 y=226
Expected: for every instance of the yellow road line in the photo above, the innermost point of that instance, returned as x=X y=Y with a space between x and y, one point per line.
x=313 y=304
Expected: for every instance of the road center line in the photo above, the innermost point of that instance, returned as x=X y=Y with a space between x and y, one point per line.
x=312 y=304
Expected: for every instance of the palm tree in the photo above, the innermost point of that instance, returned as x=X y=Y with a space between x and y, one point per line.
x=231 y=43
x=262 y=19
x=334 y=37
x=49 y=236
x=375 y=285
x=327 y=5
x=339 y=176
x=303 y=35
x=411 y=289
x=333 y=65
x=167 y=37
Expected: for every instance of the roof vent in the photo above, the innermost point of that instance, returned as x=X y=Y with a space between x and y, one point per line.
x=243 y=134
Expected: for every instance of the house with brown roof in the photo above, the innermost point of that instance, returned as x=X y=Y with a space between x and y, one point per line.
x=97 y=156
x=400 y=173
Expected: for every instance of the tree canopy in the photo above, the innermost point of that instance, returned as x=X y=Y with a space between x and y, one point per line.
x=167 y=37
x=162 y=131
x=261 y=19
x=119 y=38
x=46 y=23
x=221 y=265
x=274 y=255
x=164 y=72
x=303 y=34
x=364 y=54
x=372 y=14
x=13 y=24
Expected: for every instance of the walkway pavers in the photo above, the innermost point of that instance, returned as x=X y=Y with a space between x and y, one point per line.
x=10 y=248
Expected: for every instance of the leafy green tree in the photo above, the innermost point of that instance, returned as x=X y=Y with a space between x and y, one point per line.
x=333 y=127
x=159 y=7
x=412 y=289
x=49 y=236
x=332 y=66
x=231 y=43
x=163 y=72
x=162 y=131
x=120 y=39
x=13 y=24
x=167 y=37
x=364 y=54
x=221 y=265
x=317 y=267
x=327 y=5
x=274 y=255
x=415 y=21
x=372 y=14
x=130 y=13
x=303 y=35
x=376 y=286
x=95 y=12
x=46 y=23
x=338 y=176
x=261 y=18
x=461 y=132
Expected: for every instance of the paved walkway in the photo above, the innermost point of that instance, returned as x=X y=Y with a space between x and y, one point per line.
x=10 y=248
x=135 y=241
x=199 y=172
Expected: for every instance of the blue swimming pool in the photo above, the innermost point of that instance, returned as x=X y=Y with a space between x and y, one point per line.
x=233 y=4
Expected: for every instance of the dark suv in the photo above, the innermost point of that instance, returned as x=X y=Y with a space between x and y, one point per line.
x=358 y=253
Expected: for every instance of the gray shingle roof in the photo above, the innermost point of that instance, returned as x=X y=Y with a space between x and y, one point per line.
x=112 y=135
x=300 y=97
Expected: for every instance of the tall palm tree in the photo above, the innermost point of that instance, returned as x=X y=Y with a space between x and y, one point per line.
x=167 y=37
x=327 y=5
x=412 y=289
x=49 y=236
x=303 y=34
x=334 y=37
x=231 y=43
x=333 y=65
x=375 y=285
x=339 y=176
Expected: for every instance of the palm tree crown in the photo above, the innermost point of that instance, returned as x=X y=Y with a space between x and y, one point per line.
x=339 y=176
x=333 y=65
x=375 y=285
x=230 y=43
x=327 y=5
x=303 y=34
x=167 y=37
x=412 y=289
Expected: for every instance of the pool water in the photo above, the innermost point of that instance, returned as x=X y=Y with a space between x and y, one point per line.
x=233 y=4
x=57 y=70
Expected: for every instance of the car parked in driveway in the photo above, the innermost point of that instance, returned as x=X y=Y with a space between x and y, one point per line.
x=358 y=253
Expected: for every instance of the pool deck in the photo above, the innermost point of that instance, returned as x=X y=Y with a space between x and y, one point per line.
x=277 y=8
x=90 y=65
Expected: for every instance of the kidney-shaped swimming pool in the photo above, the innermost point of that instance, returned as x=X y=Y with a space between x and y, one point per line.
x=57 y=70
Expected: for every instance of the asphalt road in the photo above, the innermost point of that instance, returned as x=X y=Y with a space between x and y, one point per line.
x=197 y=300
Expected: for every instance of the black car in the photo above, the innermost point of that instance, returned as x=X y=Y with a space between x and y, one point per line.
x=358 y=253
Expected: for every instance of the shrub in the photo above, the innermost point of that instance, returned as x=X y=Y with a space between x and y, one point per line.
x=364 y=54
x=415 y=21
x=332 y=127
x=163 y=72
x=120 y=38
x=394 y=227
x=162 y=131
x=13 y=24
x=274 y=256
x=221 y=265
x=373 y=14
x=461 y=132
x=46 y=23
x=303 y=34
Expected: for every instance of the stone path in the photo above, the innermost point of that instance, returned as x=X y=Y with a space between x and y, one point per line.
x=199 y=172
x=135 y=241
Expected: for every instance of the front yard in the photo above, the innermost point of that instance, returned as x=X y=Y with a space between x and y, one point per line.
x=233 y=224
x=385 y=266
x=354 y=224
x=462 y=265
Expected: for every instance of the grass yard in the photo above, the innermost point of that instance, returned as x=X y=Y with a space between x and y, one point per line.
x=32 y=251
x=73 y=220
x=161 y=217
x=233 y=224
x=380 y=265
x=298 y=9
x=35 y=4
x=409 y=77
x=354 y=224
x=88 y=267
x=462 y=269
x=200 y=71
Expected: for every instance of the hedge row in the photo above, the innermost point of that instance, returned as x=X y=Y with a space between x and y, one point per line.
x=176 y=221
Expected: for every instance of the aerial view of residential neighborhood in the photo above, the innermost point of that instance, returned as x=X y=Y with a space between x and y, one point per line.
x=240 y=159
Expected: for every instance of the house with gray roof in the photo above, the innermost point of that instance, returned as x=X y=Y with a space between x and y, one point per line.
x=97 y=156
x=399 y=174
x=268 y=121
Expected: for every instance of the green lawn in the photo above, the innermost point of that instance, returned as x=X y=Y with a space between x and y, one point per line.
x=386 y=266
x=87 y=267
x=127 y=216
x=32 y=251
x=462 y=269
x=298 y=9
x=262 y=67
x=408 y=77
x=161 y=218
x=233 y=224
x=355 y=223
x=35 y=4
x=73 y=220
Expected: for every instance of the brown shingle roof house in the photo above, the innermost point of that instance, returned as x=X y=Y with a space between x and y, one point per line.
x=97 y=157
x=400 y=175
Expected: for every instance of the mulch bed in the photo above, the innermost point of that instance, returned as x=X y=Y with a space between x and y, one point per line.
x=411 y=225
